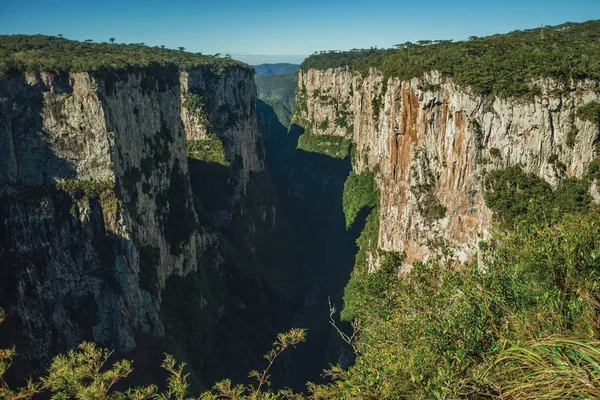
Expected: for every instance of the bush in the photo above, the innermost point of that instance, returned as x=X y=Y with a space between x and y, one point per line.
x=509 y=193
x=91 y=189
x=495 y=153
x=445 y=330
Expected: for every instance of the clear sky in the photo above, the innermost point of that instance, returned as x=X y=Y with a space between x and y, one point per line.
x=283 y=30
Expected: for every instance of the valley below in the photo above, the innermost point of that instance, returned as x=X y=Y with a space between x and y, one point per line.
x=414 y=222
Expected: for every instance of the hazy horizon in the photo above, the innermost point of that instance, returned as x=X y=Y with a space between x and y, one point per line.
x=267 y=31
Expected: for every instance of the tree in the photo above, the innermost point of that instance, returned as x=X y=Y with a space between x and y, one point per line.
x=60 y=35
x=181 y=48
x=112 y=40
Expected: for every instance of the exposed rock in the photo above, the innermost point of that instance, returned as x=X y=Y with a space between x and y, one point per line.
x=428 y=134
x=74 y=267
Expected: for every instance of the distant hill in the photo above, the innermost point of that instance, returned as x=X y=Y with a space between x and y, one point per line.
x=275 y=69
x=279 y=92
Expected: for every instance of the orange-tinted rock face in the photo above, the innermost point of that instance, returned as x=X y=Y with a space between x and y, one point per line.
x=440 y=141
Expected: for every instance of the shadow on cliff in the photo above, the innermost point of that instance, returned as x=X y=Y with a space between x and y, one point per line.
x=23 y=140
x=310 y=187
x=255 y=282
x=32 y=212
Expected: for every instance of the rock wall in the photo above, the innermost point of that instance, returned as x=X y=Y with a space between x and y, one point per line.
x=230 y=109
x=88 y=263
x=432 y=141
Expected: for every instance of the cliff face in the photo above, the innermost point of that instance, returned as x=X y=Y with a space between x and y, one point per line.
x=230 y=111
x=432 y=141
x=96 y=204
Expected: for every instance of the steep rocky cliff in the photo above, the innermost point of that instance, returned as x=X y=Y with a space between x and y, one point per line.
x=101 y=212
x=431 y=142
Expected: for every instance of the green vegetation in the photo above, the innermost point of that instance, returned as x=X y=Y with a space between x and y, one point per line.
x=278 y=91
x=196 y=104
x=276 y=69
x=88 y=374
x=332 y=146
x=324 y=125
x=101 y=190
x=589 y=112
x=521 y=324
x=502 y=64
x=510 y=192
x=209 y=149
x=423 y=187
x=495 y=153
x=359 y=193
x=38 y=53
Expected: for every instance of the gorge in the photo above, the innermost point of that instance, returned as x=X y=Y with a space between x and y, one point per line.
x=159 y=207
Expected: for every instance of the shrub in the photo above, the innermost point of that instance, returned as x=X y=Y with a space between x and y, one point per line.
x=446 y=329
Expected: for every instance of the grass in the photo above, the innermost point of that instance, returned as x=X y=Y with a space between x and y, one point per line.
x=555 y=367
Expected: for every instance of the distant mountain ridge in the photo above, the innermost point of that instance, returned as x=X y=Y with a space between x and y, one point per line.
x=276 y=69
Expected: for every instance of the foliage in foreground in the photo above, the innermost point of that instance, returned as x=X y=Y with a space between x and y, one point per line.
x=448 y=330
x=502 y=64
x=86 y=374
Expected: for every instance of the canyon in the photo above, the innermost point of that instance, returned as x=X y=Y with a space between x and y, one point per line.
x=108 y=228
x=165 y=208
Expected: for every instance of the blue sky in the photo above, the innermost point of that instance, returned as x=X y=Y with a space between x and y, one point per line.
x=283 y=31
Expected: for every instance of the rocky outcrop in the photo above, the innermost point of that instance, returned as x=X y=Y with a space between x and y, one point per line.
x=228 y=110
x=431 y=143
x=96 y=206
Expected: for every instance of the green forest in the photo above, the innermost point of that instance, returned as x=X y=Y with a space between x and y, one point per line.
x=279 y=92
x=502 y=64
x=39 y=53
